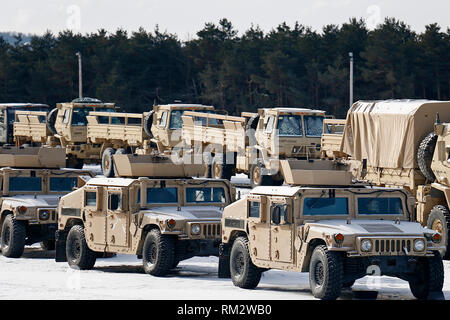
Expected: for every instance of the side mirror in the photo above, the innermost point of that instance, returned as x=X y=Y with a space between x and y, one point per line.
x=276 y=215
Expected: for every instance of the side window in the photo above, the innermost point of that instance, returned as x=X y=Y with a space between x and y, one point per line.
x=163 y=121
x=269 y=125
x=91 y=198
x=66 y=116
x=254 y=209
x=279 y=214
x=115 y=201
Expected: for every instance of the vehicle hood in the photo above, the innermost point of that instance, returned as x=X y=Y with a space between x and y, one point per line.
x=45 y=201
x=186 y=213
x=367 y=227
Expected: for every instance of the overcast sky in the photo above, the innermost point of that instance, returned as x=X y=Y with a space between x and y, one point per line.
x=186 y=17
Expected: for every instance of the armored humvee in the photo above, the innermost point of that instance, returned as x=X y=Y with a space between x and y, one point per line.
x=31 y=185
x=336 y=233
x=161 y=220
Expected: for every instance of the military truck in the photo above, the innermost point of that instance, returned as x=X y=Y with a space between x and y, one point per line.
x=161 y=220
x=31 y=185
x=338 y=233
x=155 y=132
x=30 y=128
x=7 y=117
x=255 y=142
x=388 y=143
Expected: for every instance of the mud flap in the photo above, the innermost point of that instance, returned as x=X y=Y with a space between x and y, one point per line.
x=224 y=261
x=60 y=246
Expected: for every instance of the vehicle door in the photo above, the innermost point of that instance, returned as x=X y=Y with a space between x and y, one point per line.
x=258 y=227
x=281 y=229
x=117 y=218
x=94 y=215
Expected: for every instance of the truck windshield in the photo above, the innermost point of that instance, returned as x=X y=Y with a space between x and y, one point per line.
x=63 y=184
x=313 y=126
x=162 y=195
x=79 y=116
x=380 y=206
x=290 y=125
x=325 y=206
x=175 y=119
x=203 y=195
x=26 y=184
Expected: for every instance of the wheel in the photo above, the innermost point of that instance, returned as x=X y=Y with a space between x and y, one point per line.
x=425 y=155
x=325 y=273
x=79 y=256
x=119 y=151
x=48 y=245
x=257 y=178
x=158 y=253
x=51 y=119
x=439 y=220
x=430 y=277
x=244 y=273
x=107 y=162
x=13 y=237
x=219 y=168
x=148 y=121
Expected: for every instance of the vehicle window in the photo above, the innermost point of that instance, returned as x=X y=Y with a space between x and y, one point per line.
x=162 y=195
x=163 y=121
x=379 y=206
x=207 y=194
x=269 y=125
x=313 y=126
x=63 y=184
x=79 y=116
x=175 y=119
x=325 y=206
x=253 y=209
x=27 y=184
x=91 y=198
x=115 y=201
x=66 y=116
x=282 y=209
x=290 y=125
x=138 y=196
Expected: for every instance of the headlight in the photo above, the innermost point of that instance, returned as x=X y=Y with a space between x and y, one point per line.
x=419 y=245
x=44 y=215
x=195 y=229
x=366 y=245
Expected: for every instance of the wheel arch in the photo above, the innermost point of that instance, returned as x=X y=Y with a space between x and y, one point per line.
x=312 y=244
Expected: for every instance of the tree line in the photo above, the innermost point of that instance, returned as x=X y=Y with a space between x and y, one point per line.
x=287 y=66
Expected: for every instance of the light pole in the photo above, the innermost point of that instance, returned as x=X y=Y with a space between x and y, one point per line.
x=350 y=54
x=80 y=77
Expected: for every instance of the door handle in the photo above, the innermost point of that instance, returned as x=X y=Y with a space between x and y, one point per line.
x=275 y=229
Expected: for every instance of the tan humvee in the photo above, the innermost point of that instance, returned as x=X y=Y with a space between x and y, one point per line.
x=32 y=184
x=336 y=233
x=154 y=132
x=255 y=142
x=162 y=221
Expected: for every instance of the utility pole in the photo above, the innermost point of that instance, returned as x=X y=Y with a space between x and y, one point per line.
x=350 y=54
x=80 y=77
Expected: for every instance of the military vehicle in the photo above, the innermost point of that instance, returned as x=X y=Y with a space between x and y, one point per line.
x=32 y=183
x=161 y=220
x=391 y=143
x=7 y=117
x=255 y=142
x=30 y=128
x=156 y=132
x=338 y=233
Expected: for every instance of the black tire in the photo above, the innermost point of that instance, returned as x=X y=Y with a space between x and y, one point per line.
x=119 y=151
x=51 y=119
x=13 y=237
x=79 y=256
x=439 y=220
x=148 y=121
x=430 y=277
x=108 y=162
x=326 y=273
x=257 y=178
x=244 y=273
x=425 y=156
x=48 y=245
x=219 y=168
x=158 y=253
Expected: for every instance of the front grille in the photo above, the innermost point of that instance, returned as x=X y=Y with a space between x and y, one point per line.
x=392 y=246
x=211 y=230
